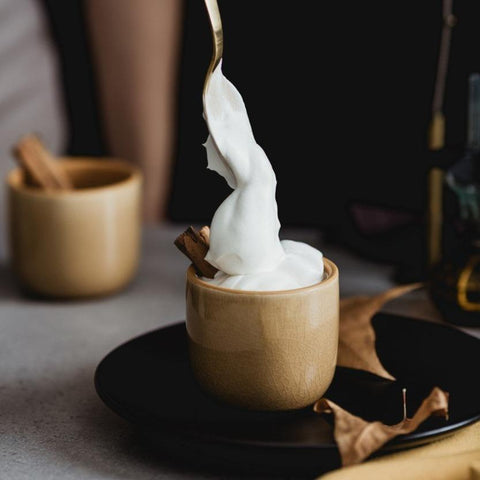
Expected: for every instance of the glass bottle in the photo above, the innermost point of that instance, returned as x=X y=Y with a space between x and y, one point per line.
x=454 y=282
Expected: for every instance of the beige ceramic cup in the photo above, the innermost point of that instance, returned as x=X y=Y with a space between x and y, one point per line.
x=264 y=350
x=78 y=243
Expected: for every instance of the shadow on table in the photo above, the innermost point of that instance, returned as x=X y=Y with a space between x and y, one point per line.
x=9 y=287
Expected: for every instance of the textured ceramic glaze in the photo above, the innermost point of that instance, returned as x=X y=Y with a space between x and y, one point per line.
x=81 y=242
x=264 y=350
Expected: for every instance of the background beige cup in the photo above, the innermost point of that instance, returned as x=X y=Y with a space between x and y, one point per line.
x=264 y=350
x=82 y=242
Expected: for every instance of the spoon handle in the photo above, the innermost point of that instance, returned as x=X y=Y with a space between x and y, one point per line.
x=217 y=34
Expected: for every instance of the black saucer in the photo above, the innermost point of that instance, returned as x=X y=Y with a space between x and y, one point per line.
x=148 y=382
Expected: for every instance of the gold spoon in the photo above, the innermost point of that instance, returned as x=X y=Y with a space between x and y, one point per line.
x=217 y=34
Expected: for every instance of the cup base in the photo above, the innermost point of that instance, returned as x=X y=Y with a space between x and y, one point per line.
x=254 y=382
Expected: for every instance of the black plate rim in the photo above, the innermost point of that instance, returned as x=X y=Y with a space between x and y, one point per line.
x=398 y=442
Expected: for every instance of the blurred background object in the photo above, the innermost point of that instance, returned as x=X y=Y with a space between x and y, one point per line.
x=31 y=92
x=135 y=48
x=76 y=232
x=345 y=130
x=119 y=63
x=455 y=276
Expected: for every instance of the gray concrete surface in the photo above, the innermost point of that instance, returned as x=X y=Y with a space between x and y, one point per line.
x=52 y=424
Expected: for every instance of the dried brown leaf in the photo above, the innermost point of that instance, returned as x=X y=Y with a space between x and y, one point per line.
x=356 y=347
x=357 y=439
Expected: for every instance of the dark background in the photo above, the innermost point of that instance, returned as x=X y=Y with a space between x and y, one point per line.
x=339 y=99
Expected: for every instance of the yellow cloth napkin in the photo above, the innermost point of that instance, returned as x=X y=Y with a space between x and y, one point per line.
x=456 y=457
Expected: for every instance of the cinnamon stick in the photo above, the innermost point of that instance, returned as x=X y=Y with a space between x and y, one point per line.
x=194 y=244
x=40 y=166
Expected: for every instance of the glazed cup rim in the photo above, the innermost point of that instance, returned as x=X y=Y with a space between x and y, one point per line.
x=329 y=266
x=81 y=163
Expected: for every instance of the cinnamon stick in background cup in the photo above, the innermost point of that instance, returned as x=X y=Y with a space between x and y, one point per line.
x=81 y=241
x=40 y=167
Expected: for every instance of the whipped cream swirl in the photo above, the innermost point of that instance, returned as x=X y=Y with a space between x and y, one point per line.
x=244 y=232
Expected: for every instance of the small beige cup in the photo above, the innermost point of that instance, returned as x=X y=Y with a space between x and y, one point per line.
x=78 y=243
x=264 y=350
